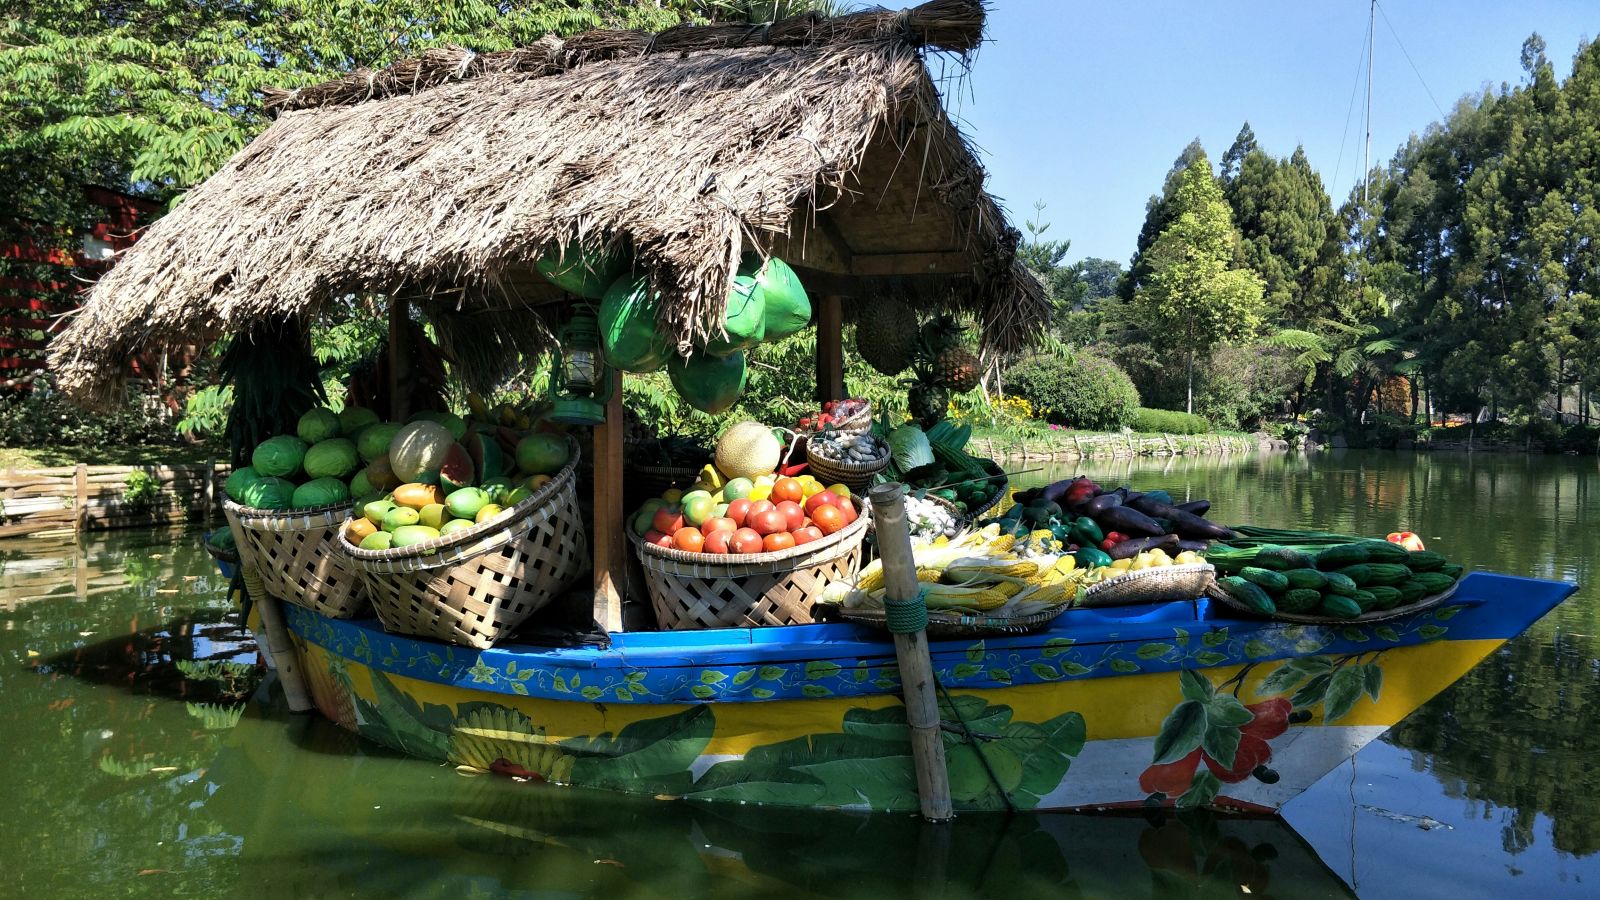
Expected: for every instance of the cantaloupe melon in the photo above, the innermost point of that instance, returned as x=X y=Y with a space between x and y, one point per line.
x=748 y=449
x=419 y=447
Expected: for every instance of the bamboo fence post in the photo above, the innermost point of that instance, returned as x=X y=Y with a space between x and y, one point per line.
x=80 y=509
x=281 y=651
x=911 y=649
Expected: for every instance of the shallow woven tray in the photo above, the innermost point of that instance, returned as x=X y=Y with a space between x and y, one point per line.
x=292 y=555
x=1378 y=615
x=856 y=424
x=476 y=586
x=945 y=624
x=737 y=590
x=855 y=476
x=653 y=481
x=1156 y=585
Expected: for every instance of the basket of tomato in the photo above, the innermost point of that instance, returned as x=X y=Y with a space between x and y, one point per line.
x=762 y=562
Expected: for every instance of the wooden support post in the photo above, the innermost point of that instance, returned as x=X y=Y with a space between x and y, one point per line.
x=608 y=546
x=830 y=348
x=80 y=509
x=281 y=650
x=399 y=359
x=911 y=652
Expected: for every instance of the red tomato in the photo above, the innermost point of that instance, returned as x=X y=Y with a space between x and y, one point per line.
x=737 y=511
x=821 y=498
x=768 y=521
x=718 y=541
x=721 y=523
x=828 y=519
x=788 y=489
x=689 y=539
x=848 y=509
x=759 y=506
x=778 y=540
x=746 y=540
x=807 y=534
x=655 y=537
x=668 y=520
x=793 y=516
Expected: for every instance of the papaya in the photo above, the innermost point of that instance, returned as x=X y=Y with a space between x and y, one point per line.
x=744 y=321
x=629 y=337
x=785 y=307
x=709 y=383
x=581 y=270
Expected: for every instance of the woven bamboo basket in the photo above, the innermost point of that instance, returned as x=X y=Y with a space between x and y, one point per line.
x=856 y=424
x=1377 y=615
x=728 y=590
x=476 y=586
x=653 y=481
x=291 y=555
x=1157 y=585
x=855 y=476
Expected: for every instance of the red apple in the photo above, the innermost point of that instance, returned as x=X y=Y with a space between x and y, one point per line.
x=718 y=541
x=738 y=510
x=793 y=516
x=820 y=498
x=746 y=540
x=655 y=537
x=722 y=523
x=668 y=519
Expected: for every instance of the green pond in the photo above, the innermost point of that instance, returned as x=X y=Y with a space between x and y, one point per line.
x=130 y=769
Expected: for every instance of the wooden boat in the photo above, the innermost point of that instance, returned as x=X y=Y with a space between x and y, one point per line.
x=1174 y=703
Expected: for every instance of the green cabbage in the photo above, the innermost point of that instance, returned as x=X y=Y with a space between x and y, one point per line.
x=909 y=447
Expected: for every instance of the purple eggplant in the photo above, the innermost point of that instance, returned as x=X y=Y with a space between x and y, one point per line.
x=1134 y=546
x=1196 y=546
x=1097 y=507
x=1129 y=521
x=1151 y=507
x=1198 y=507
x=1192 y=527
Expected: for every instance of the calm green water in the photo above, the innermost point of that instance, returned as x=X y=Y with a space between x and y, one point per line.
x=122 y=774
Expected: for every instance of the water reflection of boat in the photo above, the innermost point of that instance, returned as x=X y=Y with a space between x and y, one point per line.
x=494 y=836
x=1165 y=703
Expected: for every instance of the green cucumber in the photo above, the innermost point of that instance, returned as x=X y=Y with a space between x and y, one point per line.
x=1433 y=582
x=1387 y=597
x=1367 y=600
x=1361 y=573
x=1338 y=585
x=1425 y=561
x=1299 y=600
x=1386 y=573
x=1341 y=555
x=1307 y=579
x=1282 y=559
x=1453 y=571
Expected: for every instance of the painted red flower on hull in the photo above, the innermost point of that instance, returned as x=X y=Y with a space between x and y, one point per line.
x=1270 y=718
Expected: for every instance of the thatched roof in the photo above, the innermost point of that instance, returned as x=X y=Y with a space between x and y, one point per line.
x=444 y=177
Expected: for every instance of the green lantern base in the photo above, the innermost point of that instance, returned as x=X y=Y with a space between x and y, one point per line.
x=577 y=411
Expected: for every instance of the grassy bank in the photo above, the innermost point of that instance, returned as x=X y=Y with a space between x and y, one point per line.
x=998 y=443
x=156 y=455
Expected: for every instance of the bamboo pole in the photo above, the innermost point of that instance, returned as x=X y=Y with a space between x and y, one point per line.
x=911 y=652
x=281 y=651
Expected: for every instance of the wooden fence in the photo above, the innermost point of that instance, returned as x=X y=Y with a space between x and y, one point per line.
x=85 y=498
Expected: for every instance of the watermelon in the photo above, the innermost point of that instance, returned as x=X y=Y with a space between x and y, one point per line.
x=320 y=492
x=585 y=272
x=708 y=383
x=783 y=299
x=373 y=441
x=279 y=457
x=361 y=486
x=239 y=481
x=354 y=418
x=457 y=470
x=629 y=338
x=333 y=458
x=270 y=493
x=318 y=424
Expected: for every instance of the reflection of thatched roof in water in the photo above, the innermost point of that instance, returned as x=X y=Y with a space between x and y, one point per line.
x=822 y=140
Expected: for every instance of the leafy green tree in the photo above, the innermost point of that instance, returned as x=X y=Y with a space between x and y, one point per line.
x=1157 y=214
x=1283 y=215
x=1194 y=298
x=1233 y=160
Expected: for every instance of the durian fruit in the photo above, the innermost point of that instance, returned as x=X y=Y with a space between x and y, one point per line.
x=886 y=334
x=928 y=404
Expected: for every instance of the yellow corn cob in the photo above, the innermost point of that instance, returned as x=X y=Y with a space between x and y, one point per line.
x=948 y=596
x=1002 y=543
x=972 y=568
x=1053 y=594
x=929 y=574
x=871 y=577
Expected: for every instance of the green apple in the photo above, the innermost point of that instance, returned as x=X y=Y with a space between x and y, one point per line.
x=736 y=489
x=698 y=507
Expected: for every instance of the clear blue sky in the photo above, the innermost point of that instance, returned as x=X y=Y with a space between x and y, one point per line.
x=1085 y=105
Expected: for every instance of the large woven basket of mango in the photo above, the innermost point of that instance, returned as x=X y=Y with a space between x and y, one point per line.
x=291 y=555
x=741 y=590
x=476 y=586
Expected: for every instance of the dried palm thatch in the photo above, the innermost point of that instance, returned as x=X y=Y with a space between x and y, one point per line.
x=462 y=170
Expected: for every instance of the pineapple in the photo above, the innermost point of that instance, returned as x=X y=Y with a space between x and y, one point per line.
x=956 y=369
x=928 y=404
x=886 y=334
